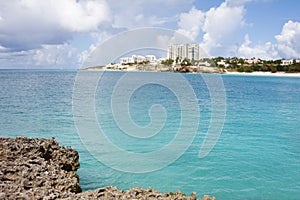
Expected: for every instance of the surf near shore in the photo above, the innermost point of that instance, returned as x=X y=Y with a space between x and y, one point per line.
x=37 y=168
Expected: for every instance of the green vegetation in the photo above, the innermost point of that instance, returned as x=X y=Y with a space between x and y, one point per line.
x=167 y=62
x=224 y=65
x=251 y=65
x=245 y=69
x=185 y=62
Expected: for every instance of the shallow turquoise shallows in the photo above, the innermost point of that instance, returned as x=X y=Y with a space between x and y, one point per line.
x=256 y=157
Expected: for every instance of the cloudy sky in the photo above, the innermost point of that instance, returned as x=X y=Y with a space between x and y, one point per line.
x=62 y=33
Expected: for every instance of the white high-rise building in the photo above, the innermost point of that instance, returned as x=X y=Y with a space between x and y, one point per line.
x=182 y=51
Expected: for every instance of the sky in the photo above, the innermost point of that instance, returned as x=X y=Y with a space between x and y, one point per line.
x=62 y=33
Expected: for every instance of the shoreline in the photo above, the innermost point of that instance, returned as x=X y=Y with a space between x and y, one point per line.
x=278 y=74
x=255 y=73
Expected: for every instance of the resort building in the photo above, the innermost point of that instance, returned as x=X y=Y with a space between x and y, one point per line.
x=252 y=61
x=287 y=62
x=126 y=60
x=182 y=51
x=137 y=59
x=222 y=63
x=150 y=58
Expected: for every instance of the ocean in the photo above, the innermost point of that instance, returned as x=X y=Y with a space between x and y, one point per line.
x=256 y=156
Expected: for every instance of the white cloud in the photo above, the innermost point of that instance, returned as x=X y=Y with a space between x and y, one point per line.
x=28 y=24
x=220 y=27
x=2 y=48
x=55 y=55
x=266 y=51
x=100 y=37
x=143 y=13
x=48 y=56
x=288 y=40
x=191 y=23
x=287 y=45
x=82 y=15
x=20 y=59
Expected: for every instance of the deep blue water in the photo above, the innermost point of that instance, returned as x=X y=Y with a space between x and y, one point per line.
x=257 y=155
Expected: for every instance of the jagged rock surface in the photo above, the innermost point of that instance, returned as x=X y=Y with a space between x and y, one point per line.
x=37 y=169
x=111 y=193
x=32 y=168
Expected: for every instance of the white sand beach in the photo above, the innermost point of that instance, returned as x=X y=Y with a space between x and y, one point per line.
x=265 y=74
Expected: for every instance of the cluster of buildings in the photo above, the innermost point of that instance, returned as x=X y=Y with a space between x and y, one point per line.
x=176 y=52
x=134 y=59
x=226 y=62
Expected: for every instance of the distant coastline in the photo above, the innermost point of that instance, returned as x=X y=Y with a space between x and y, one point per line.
x=203 y=70
x=158 y=68
x=218 y=65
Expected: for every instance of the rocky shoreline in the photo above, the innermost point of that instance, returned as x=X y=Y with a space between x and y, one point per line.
x=36 y=168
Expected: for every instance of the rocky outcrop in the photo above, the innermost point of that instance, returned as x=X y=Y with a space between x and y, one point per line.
x=37 y=169
x=112 y=193
x=32 y=168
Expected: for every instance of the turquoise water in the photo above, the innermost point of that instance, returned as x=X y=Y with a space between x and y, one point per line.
x=257 y=155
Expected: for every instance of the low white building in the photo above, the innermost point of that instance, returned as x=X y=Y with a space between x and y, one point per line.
x=223 y=63
x=287 y=62
x=206 y=64
x=252 y=61
x=137 y=59
x=125 y=60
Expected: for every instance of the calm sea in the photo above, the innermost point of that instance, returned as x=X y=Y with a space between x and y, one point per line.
x=256 y=157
